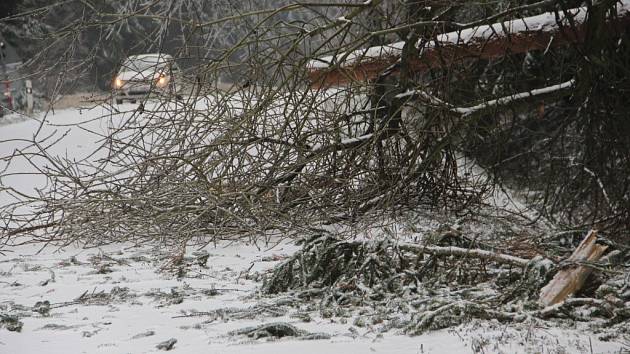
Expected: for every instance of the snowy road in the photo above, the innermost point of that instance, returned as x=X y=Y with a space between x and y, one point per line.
x=73 y=133
x=115 y=299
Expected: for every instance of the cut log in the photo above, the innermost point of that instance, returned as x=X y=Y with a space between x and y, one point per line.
x=570 y=280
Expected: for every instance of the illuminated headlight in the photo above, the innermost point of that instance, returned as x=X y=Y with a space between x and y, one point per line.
x=118 y=83
x=162 y=80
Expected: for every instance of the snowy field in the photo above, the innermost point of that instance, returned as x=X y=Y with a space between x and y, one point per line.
x=118 y=299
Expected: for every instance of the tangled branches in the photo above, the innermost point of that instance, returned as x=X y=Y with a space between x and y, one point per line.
x=255 y=149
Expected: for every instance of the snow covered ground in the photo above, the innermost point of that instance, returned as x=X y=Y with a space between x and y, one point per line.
x=118 y=299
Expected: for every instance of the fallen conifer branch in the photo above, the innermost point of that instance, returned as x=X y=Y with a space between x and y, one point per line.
x=557 y=308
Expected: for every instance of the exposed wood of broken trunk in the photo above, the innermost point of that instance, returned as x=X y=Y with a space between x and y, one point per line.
x=481 y=42
x=570 y=280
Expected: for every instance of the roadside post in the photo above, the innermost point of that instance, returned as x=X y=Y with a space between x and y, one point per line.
x=8 y=95
x=29 y=97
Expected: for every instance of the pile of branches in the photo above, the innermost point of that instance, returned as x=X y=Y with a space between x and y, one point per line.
x=250 y=163
x=441 y=282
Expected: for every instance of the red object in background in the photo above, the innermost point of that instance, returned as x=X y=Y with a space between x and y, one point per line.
x=7 y=93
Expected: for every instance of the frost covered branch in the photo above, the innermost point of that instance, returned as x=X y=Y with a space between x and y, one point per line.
x=501 y=101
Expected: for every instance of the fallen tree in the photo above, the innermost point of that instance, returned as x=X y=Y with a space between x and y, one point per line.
x=272 y=156
x=470 y=41
x=275 y=157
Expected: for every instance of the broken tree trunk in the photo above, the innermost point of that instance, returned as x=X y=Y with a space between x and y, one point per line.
x=568 y=281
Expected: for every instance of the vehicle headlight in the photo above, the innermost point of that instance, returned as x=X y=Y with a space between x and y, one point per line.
x=162 y=80
x=118 y=83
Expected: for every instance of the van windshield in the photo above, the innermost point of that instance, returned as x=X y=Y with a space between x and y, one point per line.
x=140 y=64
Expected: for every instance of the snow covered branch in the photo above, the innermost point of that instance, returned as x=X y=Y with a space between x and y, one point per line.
x=501 y=101
x=463 y=252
